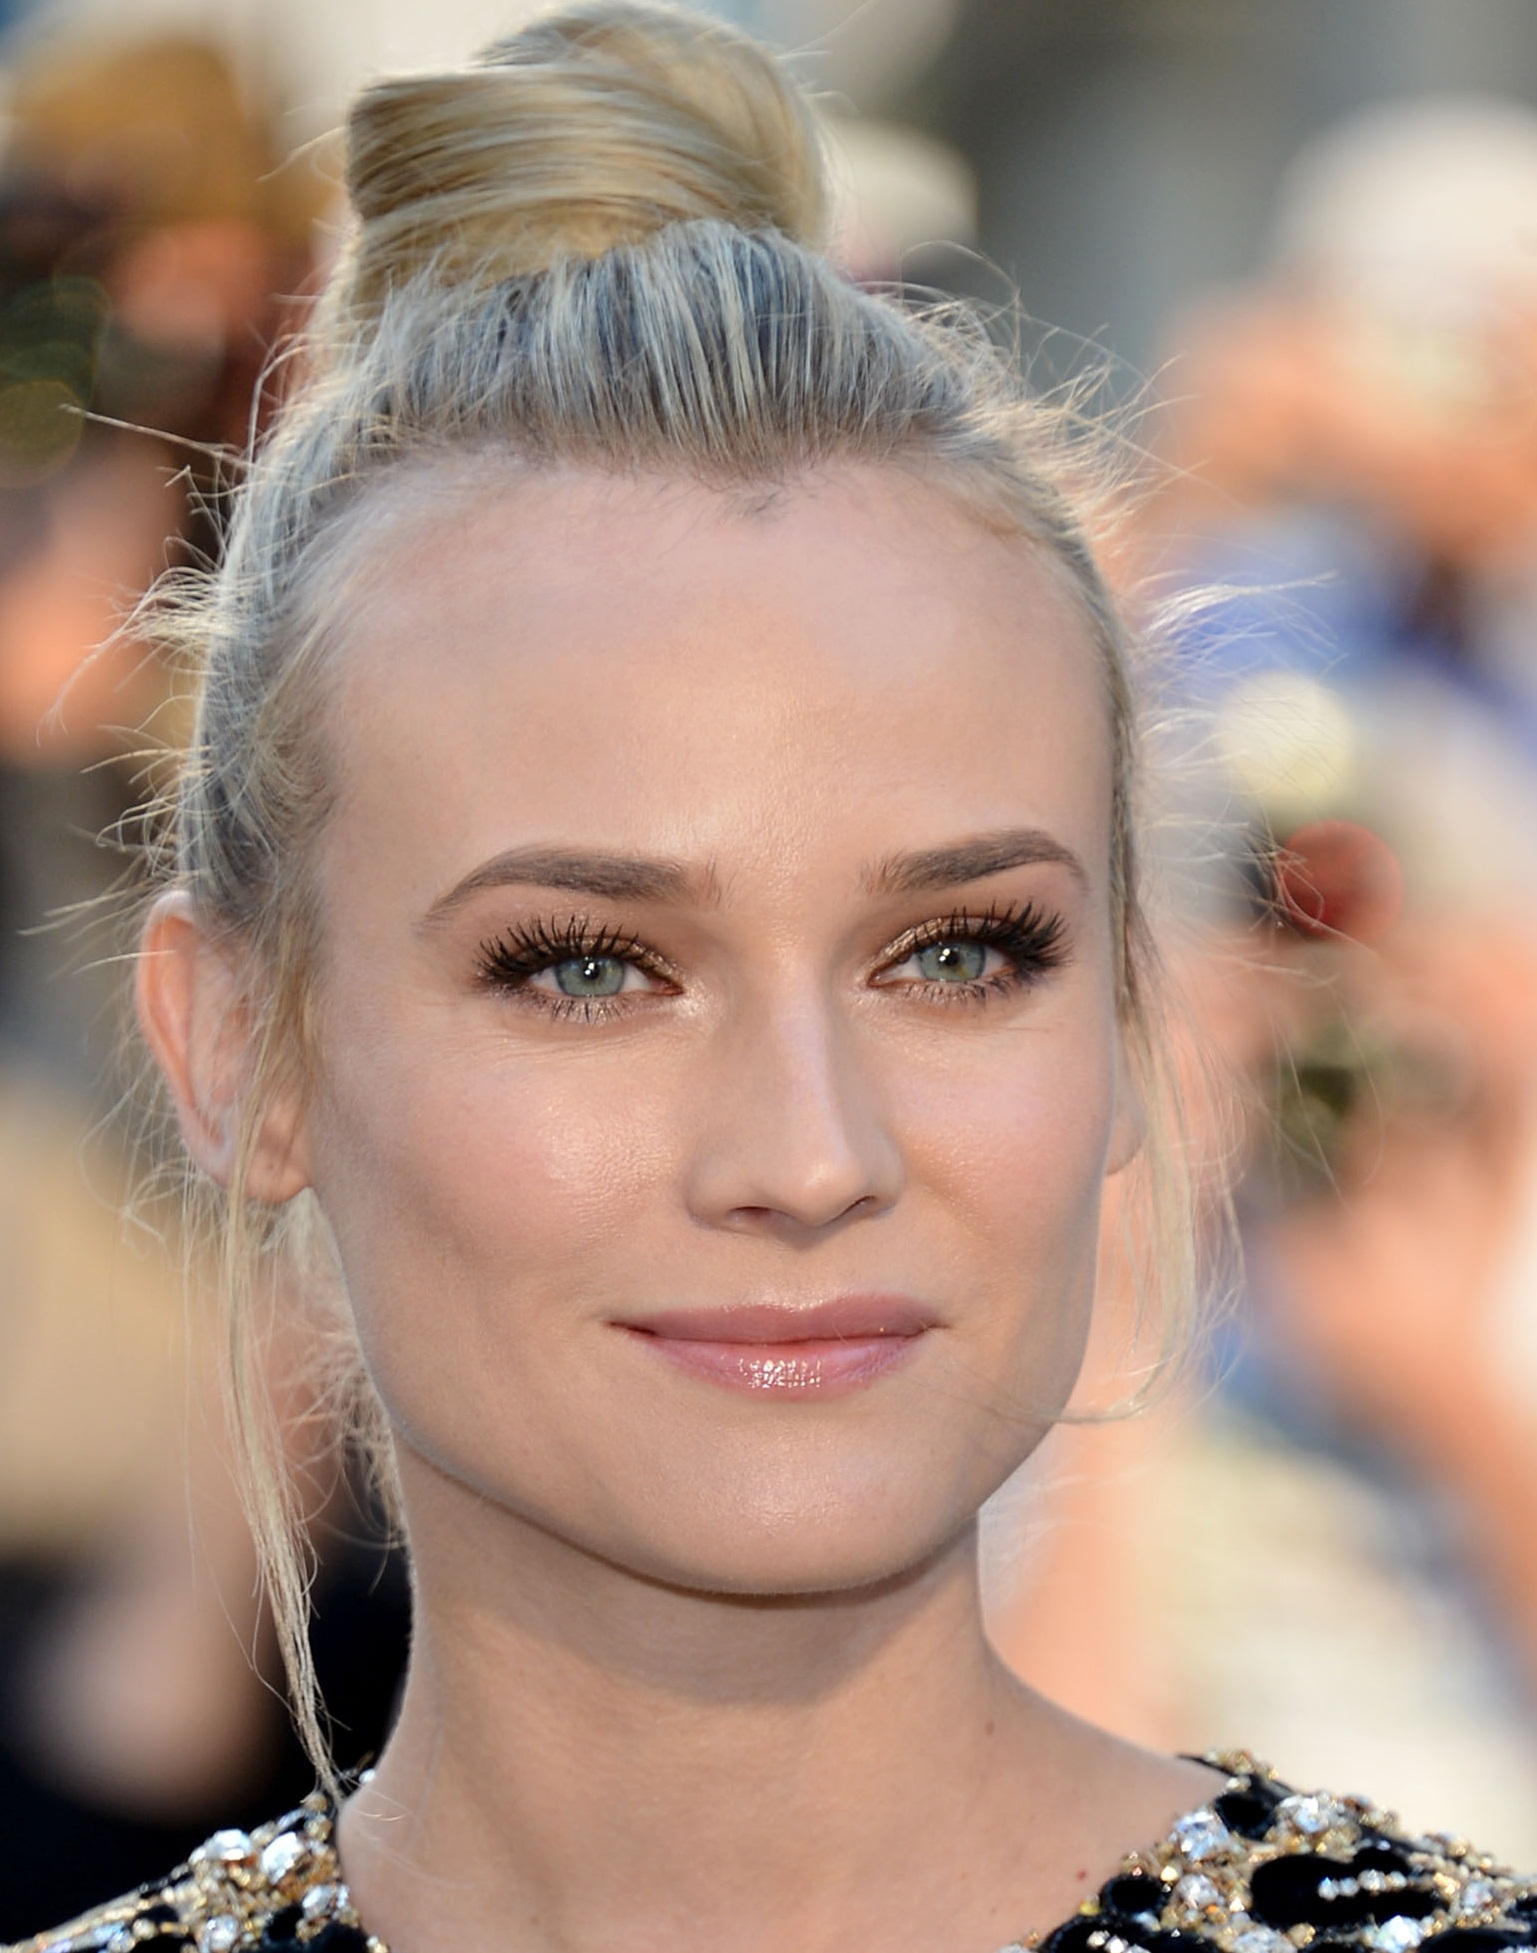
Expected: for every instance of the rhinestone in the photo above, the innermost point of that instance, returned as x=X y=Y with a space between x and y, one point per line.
x=1397 y=1935
x=1148 y=1921
x=320 y=1901
x=1309 y=1815
x=1374 y=1881
x=1347 y=1888
x=1201 y=1835
x=1328 y=1888
x=226 y=1848
x=221 y=1934
x=286 y=1853
x=1196 y=1892
x=1476 y=1896
x=1261 y=1939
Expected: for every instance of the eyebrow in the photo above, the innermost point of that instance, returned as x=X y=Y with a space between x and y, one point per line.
x=610 y=877
x=648 y=878
x=972 y=860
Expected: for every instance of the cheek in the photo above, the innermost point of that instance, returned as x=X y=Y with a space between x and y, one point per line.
x=1017 y=1137
x=484 y=1179
x=1008 y=1155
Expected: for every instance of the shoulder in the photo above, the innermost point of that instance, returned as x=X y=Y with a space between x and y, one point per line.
x=1265 y=1868
x=272 y=1890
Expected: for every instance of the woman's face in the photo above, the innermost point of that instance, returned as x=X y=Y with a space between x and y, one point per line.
x=716 y=1024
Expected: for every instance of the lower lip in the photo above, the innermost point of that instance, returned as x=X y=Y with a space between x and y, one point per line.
x=806 y=1369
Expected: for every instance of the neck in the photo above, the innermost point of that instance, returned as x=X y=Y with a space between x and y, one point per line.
x=587 y=1760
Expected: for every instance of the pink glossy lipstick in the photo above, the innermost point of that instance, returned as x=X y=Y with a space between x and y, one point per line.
x=822 y=1349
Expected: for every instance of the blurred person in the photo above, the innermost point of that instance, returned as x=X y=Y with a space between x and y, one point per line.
x=655 y=948
x=147 y=238
x=1366 y=414
x=1354 y=442
x=148 y=245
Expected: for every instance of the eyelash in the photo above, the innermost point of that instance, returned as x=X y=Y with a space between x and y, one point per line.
x=506 y=963
x=1033 y=940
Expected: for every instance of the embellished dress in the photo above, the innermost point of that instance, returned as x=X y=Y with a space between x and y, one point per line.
x=1262 y=1868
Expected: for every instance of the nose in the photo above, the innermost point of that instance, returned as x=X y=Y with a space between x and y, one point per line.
x=793 y=1137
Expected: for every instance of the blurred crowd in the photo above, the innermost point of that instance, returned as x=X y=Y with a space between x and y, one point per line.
x=153 y=249
x=1343 y=1568
x=1324 y=1544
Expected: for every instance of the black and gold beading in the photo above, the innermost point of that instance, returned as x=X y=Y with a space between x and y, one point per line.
x=1262 y=1868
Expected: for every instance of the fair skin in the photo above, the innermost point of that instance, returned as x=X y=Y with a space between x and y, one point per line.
x=699 y=1666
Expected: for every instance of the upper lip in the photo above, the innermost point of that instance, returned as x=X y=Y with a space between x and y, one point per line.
x=842 y=1318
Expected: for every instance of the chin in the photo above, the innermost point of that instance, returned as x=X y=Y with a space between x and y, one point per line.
x=773 y=1563
x=821 y=1534
x=754 y=1500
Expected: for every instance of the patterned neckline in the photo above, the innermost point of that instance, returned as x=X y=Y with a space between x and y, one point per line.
x=281 y=1884
x=1258 y=1868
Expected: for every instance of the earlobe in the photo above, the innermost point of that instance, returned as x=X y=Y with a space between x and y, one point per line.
x=195 y=1011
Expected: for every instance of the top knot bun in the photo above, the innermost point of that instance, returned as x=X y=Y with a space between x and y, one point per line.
x=595 y=126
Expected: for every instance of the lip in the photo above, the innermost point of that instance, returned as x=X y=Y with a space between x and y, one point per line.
x=783 y=1350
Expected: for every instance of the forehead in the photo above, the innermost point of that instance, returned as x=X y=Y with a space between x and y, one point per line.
x=660 y=666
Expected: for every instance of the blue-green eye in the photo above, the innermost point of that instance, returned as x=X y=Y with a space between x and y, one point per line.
x=589 y=976
x=957 y=962
x=570 y=968
x=976 y=958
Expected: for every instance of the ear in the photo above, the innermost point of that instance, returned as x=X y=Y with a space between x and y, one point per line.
x=195 y=1008
x=1128 y=1123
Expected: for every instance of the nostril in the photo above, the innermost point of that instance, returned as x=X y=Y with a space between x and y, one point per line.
x=801 y=1219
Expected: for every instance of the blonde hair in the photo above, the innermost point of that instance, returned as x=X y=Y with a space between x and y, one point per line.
x=600 y=245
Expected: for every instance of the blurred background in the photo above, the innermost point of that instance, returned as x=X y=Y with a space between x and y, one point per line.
x=1299 y=244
